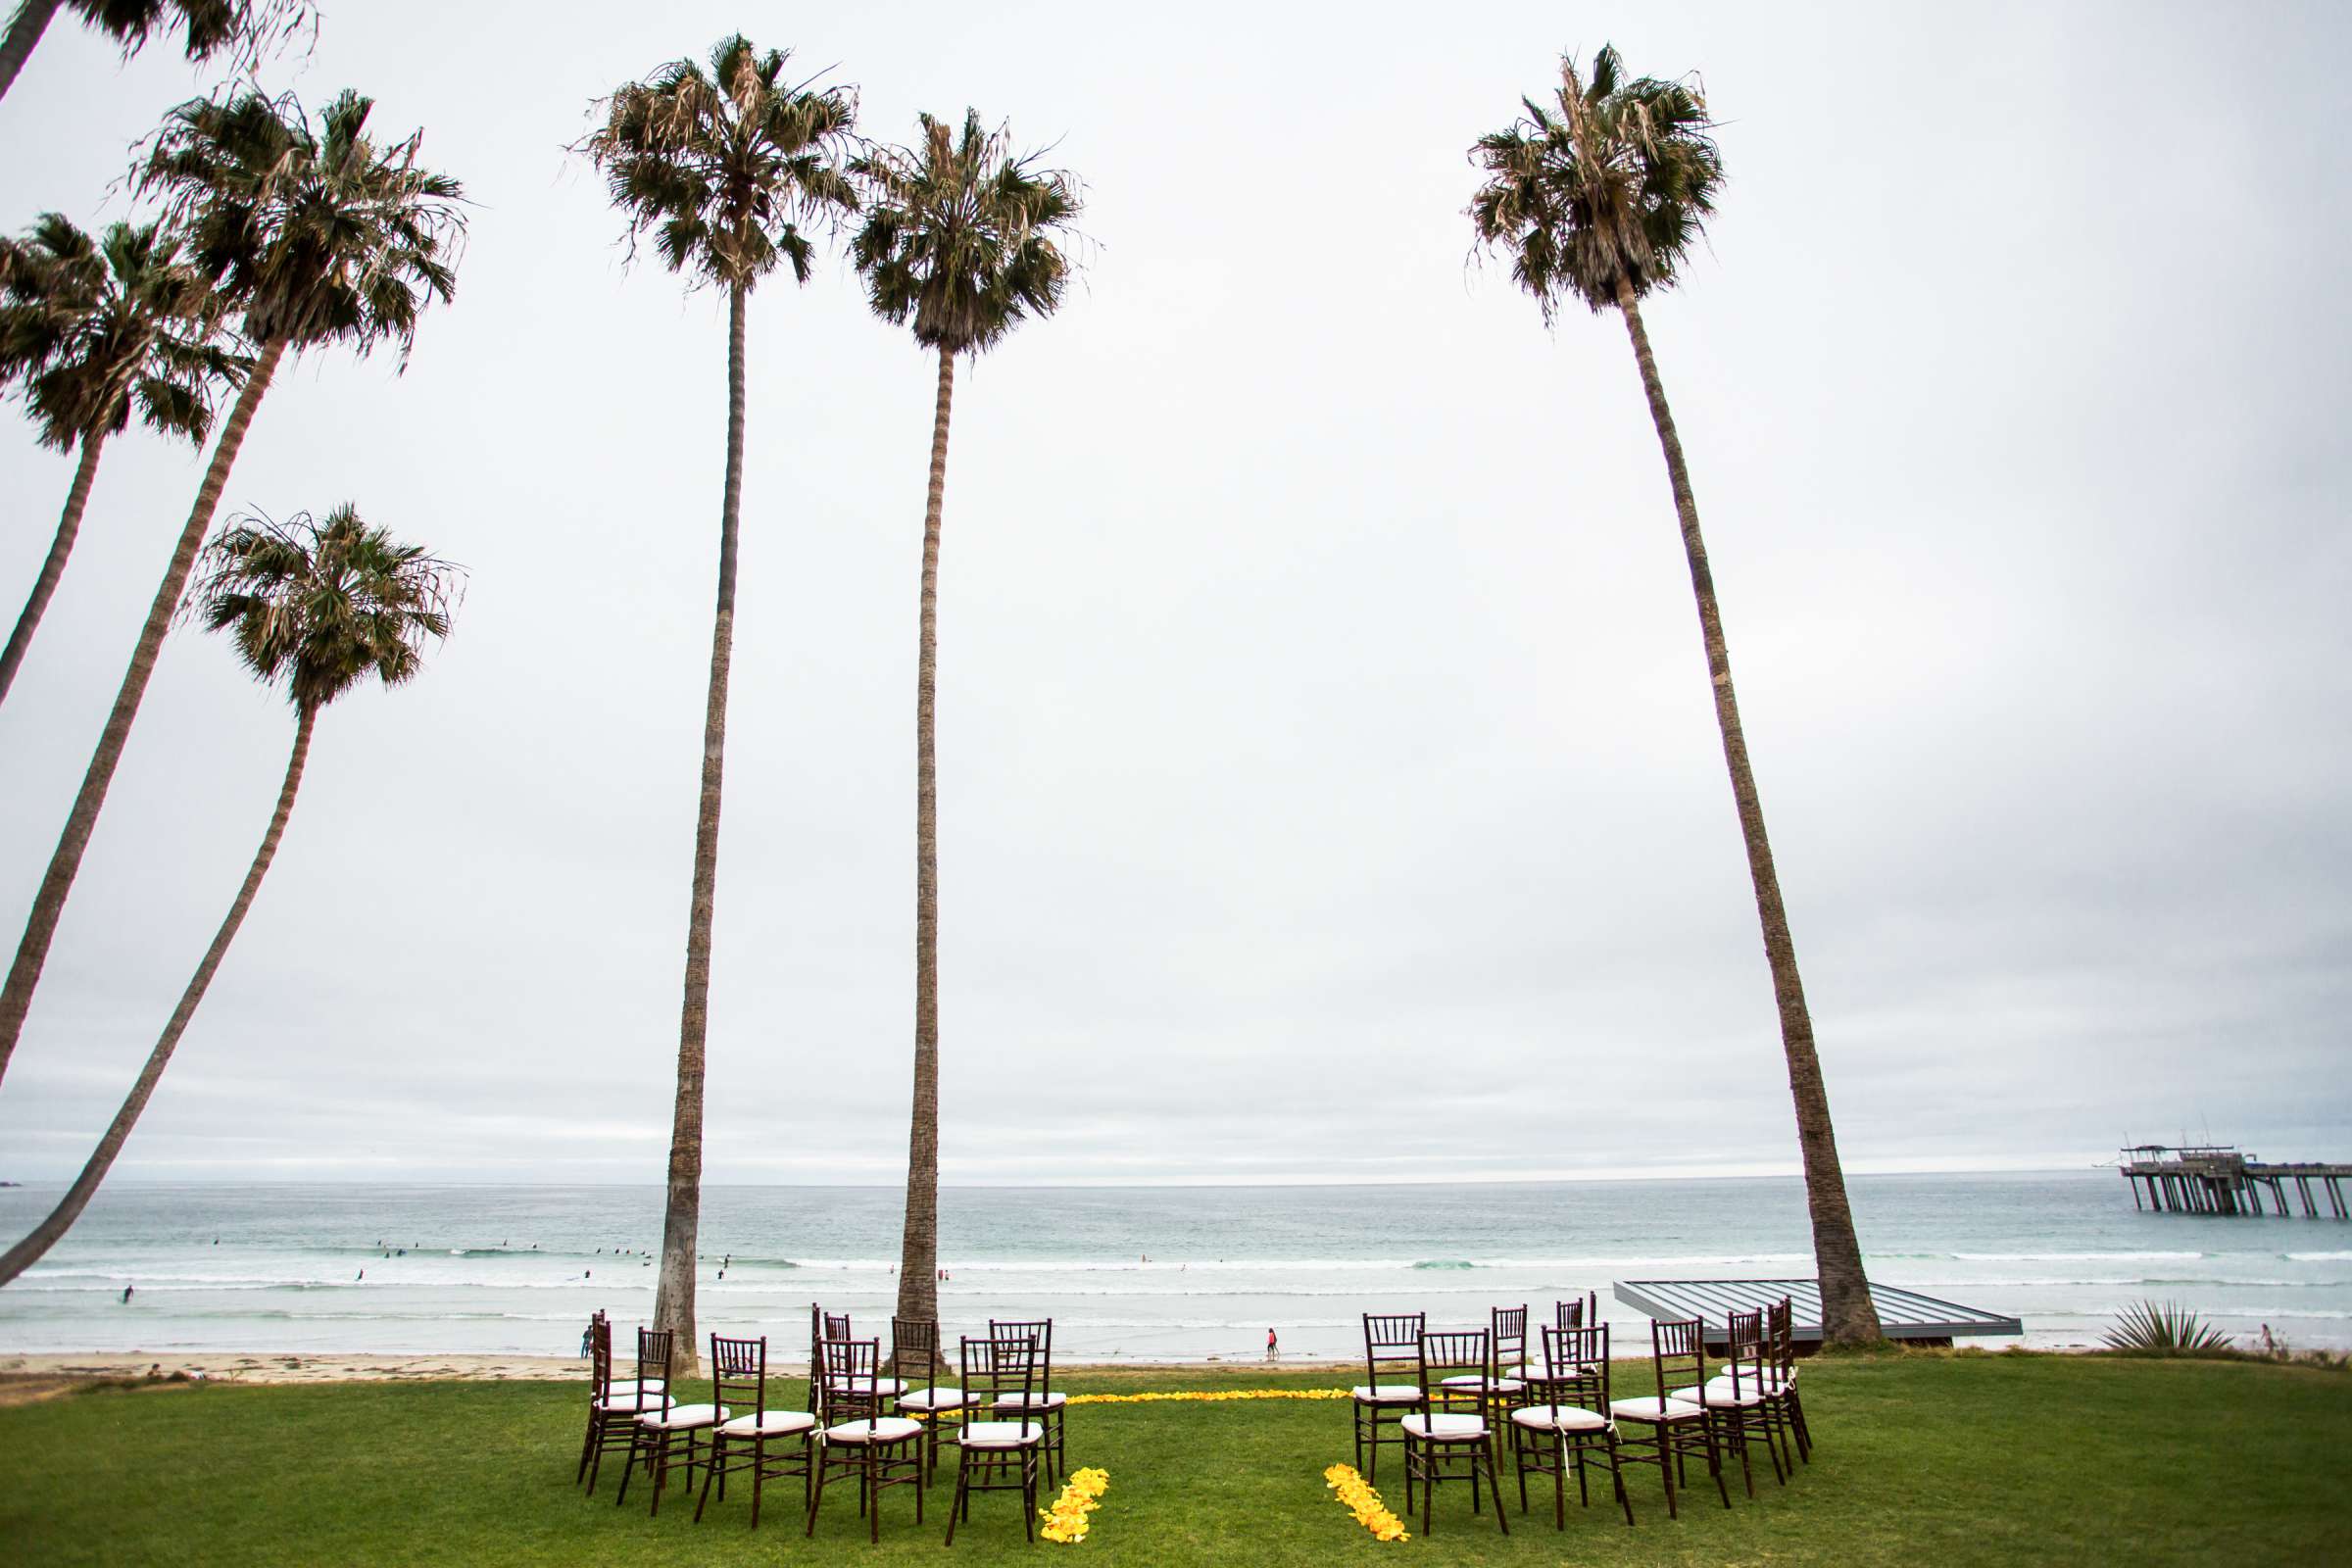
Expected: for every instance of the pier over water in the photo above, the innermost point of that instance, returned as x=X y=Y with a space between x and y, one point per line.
x=2222 y=1179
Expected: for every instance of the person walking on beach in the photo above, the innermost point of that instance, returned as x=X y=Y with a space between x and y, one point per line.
x=1272 y=1349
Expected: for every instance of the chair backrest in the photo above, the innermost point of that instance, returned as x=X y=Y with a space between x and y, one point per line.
x=1508 y=1325
x=998 y=1367
x=600 y=1357
x=1454 y=1354
x=653 y=1356
x=1744 y=1350
x=1038 y=1329
x=739 y=1374
x=1678 y=1355
x=836 y=1326
x=852 y=1379
x=1780 y=1327
x=1393 y=1344
x=1579 y=1359
x=915 y=1352
x=1568 y=1315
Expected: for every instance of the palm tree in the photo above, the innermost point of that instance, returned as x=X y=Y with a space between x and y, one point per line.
x=1602 y=203
x=89 y=329
x=314 y=608
x=246 y=28
x=316 y=239
x=959 y=241
x=723 y=168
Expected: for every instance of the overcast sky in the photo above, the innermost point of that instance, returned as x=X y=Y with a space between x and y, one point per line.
x=1328 y=785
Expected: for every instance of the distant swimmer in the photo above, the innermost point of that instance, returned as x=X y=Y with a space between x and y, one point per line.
x=127 y=1295
x=362 y=1274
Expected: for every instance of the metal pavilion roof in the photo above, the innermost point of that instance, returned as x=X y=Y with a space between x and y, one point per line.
x=1904 y=1314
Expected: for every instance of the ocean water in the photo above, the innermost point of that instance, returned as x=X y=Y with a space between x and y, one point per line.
x=1127 y=1273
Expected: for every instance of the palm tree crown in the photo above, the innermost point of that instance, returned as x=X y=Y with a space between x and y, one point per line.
x=211 y=24
x=959 y=237
x=724 y=166
x=317 y=607
x=315 y=237
x=1613 y=189
x=92 y=327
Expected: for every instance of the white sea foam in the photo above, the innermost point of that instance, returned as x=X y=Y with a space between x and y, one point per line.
x=2077 y=1258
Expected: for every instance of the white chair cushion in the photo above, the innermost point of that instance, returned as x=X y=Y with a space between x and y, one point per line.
x=635 y=1403
x=1719 y=1394
x=1537 y=1372
x=1386 y=1394
x=1769 y=1385
x=1000 y=1434
x=1446 y=1428
x=1478 y=1380
x=773 y=1424
x=1652 y=1409
x=636 y=1385
x=683 y=1417
x=885 y=1429
x=1560 y=1418
x=933 y=1399
x=884 y=1387
x=1036 y=1402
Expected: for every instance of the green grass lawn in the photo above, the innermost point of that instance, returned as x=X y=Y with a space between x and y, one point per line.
x=1937 y=1459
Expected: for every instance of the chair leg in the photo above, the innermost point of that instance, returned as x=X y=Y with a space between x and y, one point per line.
x=715 y=1469
x=1706 y=1429
x=1486 y=1452
x=595 y=1420
x=1559 y=1487
x=1747 y=1472
x=1617 y=1476
x=636 y=1436
x=817 y=1487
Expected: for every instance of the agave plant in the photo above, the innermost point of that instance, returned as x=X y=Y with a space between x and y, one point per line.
x=2164 y=1328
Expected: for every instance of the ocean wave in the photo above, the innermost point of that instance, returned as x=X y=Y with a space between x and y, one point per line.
x=2318 y=1257
x=2077 y=1258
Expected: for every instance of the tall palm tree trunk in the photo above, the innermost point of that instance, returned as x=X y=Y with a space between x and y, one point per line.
x=49 y=901
x=1848 y=1315
x=29 y=619
x=69 y=1208
x=681 y=1225
x=919 y=1254
x=24 y=30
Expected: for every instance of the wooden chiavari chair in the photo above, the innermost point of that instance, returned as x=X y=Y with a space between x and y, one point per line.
x=656 y=1433
x=1570 y=1420
x=1000 y=1374
x=738 y=1381
x=1442 y=1435
x=1391 y=1354
x=1047 y=1405
x=881 y=1450
x=915 y=1353
x=1678 y=1429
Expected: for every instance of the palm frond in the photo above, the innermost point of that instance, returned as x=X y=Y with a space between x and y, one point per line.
x=313 y=236
x=318 y=607
x=725 y=168
x=963 y=238
x=90 y=327
x=1611 y=186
